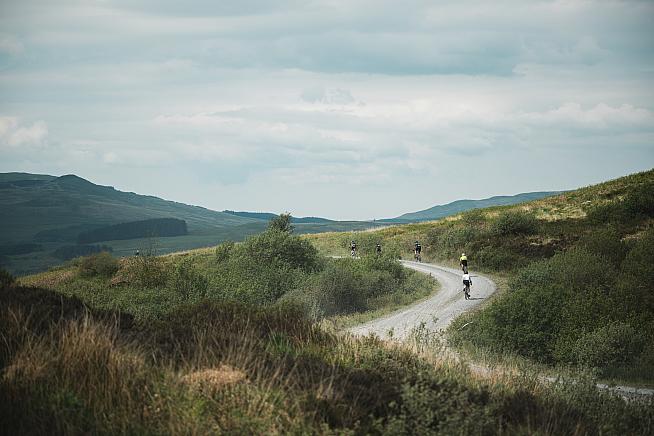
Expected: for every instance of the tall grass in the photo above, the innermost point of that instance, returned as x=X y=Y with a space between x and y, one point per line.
x=228 y=368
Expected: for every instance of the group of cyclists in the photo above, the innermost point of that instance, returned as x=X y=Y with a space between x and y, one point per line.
x=417 y=254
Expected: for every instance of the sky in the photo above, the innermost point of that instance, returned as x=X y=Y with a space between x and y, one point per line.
x=342 y=109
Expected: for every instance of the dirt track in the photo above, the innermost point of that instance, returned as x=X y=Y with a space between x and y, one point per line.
x=439 y=310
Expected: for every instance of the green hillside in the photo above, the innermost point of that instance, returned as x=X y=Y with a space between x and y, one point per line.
x=579 y=271
x=239 y=339
x=48 y=213
x=459 y=206
x=31 y=204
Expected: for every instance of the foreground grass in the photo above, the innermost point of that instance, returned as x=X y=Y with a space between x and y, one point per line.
x=215 y=368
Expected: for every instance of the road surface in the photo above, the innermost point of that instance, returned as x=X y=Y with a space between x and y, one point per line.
x=438 y=311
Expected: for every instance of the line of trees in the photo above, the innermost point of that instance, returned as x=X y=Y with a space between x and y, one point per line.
x=136 y=229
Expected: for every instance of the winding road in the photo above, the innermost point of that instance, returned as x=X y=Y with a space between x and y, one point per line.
x=438 y=311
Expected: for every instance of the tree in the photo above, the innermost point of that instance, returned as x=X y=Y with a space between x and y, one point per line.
x=281 y=223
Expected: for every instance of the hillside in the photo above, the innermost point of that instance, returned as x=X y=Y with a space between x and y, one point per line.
x=267 y=216
x=30 y=204
x=578 y=268
x=239 y=339
x=460 y=206
x=42 y=214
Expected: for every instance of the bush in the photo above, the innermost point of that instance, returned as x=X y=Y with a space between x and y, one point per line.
x=100 y=264
x=611 y=345
x=636 y=204
x=6 y=279
x=515 y=223
x=338 y=290
x=224 y=250
x=188 y=282
x=279 y=246
x=498 y=258
x=548 y=306
x=149 y=271
x=473 y=217
x=605 y=242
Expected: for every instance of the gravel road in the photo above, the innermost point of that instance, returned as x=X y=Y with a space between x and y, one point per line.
x=439 y=310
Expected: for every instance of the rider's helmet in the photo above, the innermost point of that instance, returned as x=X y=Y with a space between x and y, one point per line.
x=463 y=254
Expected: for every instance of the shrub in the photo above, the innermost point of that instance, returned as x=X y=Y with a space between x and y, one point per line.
x=6 y=279
x=278 y=246
x=100 y=264
x=281 y=223
x=548 y=306
x=515 y=223
x=605 y=242
x=338 y=290
x=615 y=344
x=473 y=217
x=637 y=203
x=187 y=281
x=224 y=250
x=149 y=271
x=498 y=258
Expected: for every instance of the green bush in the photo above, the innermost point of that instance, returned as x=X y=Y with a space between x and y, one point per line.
x=498 y=258
x=224 y=251
x=149 y=271
x=338 y=290
x=188 y=282
x=6 y=279
x=605 y=242
x=515 y=223
x=636 y=205
x=548 y=305
x=100 y=264
x=473 y=217
x=611 y=345
x=282 y=247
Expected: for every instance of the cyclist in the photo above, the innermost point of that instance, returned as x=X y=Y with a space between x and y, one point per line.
x=417 y=249
x=353 y=248
x=378 y=250
x=463 y=261
x=467 y=282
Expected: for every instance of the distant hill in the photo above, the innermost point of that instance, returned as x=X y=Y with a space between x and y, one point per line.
x=31 y=204
x=42 y=217
x=455 y=207
x=266 y=216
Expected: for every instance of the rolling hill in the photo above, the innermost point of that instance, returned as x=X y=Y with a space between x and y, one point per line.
x=455 y=207
x=30 y=204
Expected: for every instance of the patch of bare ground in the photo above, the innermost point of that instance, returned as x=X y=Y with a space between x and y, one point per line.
x=214 y=378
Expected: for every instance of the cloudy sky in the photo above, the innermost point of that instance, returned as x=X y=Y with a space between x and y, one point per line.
x=336 y=108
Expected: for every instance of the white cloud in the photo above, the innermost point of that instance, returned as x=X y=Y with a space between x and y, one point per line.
x=13 y=134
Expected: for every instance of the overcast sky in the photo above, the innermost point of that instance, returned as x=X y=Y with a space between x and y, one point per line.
x=344 y=109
